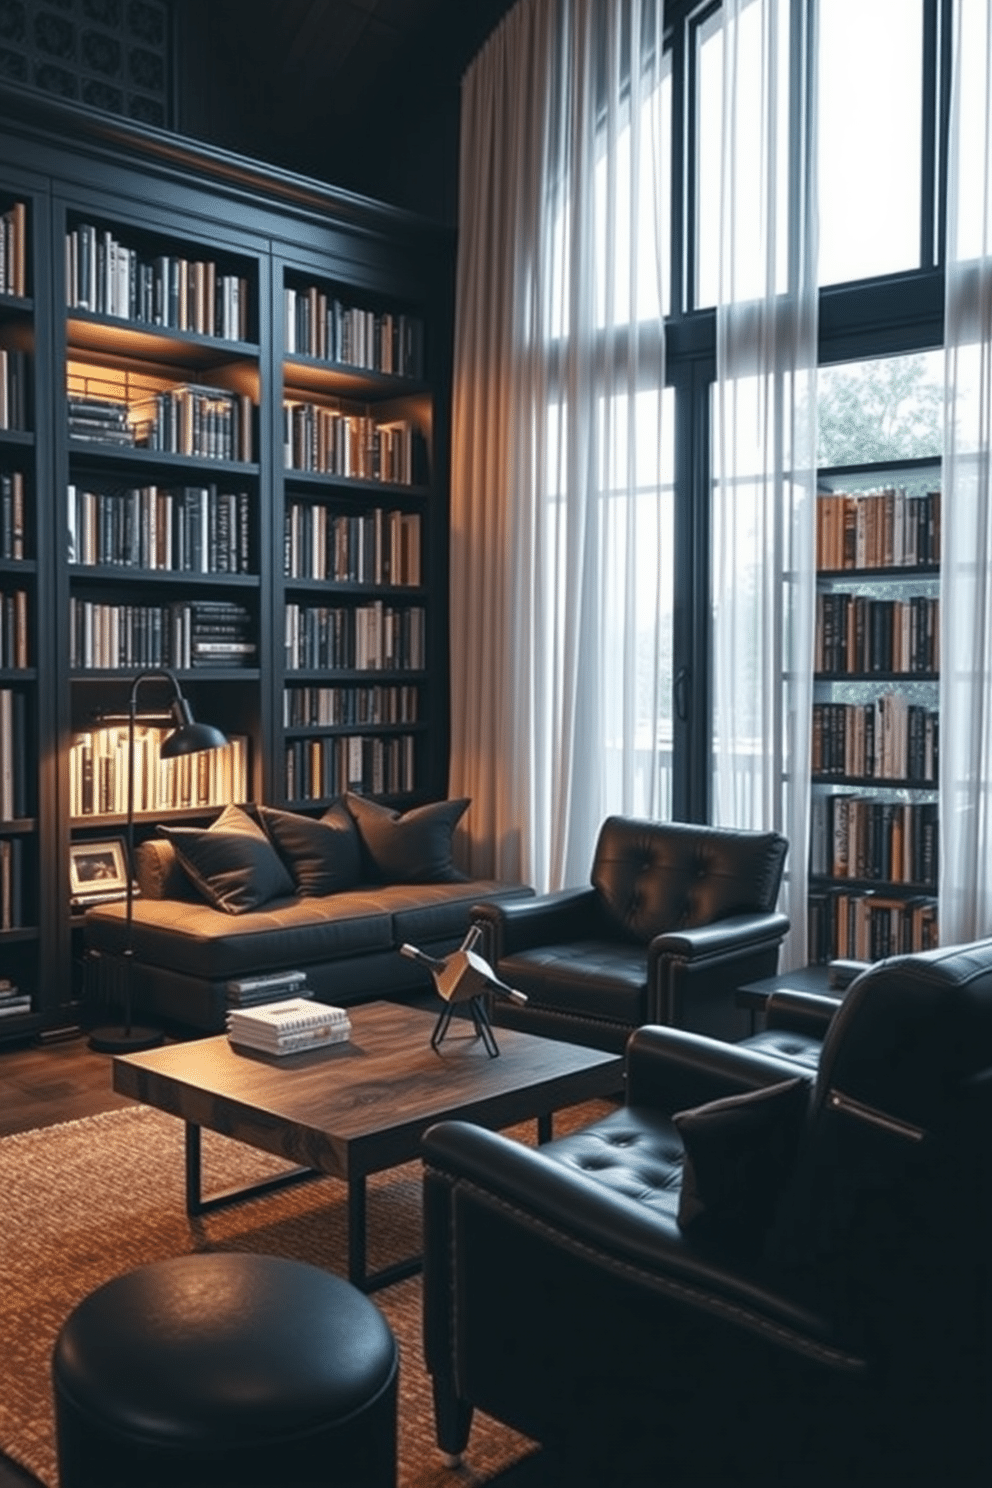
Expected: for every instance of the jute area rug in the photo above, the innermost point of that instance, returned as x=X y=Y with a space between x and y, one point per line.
x=90 y=1199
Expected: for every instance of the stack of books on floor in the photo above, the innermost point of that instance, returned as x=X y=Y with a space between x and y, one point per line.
x=273 y=987
x=288 y=1027
x=12 y=1000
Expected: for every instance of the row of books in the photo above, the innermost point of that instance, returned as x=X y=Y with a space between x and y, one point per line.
x=13 y=250
x=206 y=423
x=108 y=277
x=371 y=764
x=879 y=841
x=320 y=325
x=356 y=446
x=877 y=529
x=13 y=1002
x=887 y=739
x=193 y=529
x=376 y=547
x=371 y=637
x=14 y=635
x=201 y=633
x=868 y=927
x=288 y=1026
x=11 y=883
x=12 y=540
x=14 y=388
x=99 y=420
x=326 y=707
x=15 y=800
x=273 y=986
x=98 y=773
x=855 y=634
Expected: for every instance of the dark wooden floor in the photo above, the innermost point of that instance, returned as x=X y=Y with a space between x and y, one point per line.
x=59 y=1080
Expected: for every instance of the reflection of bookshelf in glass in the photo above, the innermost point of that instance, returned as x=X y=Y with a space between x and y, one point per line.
x=875 y=724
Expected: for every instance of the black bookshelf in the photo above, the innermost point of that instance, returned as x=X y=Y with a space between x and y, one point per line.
x=163 y=343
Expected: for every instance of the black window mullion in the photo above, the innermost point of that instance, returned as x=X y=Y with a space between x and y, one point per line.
x=928 y=155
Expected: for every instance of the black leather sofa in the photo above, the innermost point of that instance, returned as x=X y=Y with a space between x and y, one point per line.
x=675 y=918
x=334 y=897
x=788 y=1286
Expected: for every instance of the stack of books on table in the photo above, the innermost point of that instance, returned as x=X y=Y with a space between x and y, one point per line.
x=288 y=1027
x=273 y=987
x=12 y=1000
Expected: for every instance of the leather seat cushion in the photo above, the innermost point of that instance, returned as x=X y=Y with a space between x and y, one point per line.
x=598 y=978
x=205 y=942
x=427 y=912
x=800 y=1048
x=634 y=1151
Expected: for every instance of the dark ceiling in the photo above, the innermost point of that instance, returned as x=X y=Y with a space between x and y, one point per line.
x=360 y=92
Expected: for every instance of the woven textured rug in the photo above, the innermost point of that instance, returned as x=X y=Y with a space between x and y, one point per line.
x=90 y=1199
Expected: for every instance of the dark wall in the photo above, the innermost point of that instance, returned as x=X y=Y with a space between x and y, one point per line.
x=370 y=107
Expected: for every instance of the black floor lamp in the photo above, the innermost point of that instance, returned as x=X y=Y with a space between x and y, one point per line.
x=188 y=737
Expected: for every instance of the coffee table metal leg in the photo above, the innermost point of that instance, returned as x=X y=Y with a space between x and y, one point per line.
x=370 y=1281
x=194 y=1197
x=197 y=1204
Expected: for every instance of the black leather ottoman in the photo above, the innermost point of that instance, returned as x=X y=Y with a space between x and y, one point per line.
x=211 y=1371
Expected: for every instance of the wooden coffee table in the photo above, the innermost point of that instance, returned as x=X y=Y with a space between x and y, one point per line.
x=357 y=1108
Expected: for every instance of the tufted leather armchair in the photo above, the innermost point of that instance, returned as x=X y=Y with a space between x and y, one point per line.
x=676 y=917
x=842 y=1336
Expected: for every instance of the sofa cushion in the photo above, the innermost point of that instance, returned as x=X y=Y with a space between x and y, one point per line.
x=426 y=913
x=739 y=1155
x=208 y=944
x=323 y=855
x=231 y=862
x=408 y=847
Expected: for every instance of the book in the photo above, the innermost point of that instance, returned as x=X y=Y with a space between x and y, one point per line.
x=288 y=1026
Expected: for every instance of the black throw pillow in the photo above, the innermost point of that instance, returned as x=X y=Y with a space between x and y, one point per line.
x=739 y=1155
x=323 y=856
x=410 y=847
x=231 y=862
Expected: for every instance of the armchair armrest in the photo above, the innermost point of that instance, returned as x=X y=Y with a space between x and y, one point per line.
x=729 y=937
x=800 y=1012
x=587 y=1216
x=672 y=1069
x=520 y=924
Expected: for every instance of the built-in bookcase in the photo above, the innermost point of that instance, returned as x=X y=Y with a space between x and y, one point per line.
x=20 y=705
x=222 y=404
x=876 y=727
x=357 y=494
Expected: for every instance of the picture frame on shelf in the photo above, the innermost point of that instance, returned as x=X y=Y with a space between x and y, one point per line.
x=97 y=871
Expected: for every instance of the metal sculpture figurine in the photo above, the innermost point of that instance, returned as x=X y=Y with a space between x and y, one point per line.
x=463 y=977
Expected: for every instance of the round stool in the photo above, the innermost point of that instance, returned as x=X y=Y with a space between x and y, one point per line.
x=211 y=1371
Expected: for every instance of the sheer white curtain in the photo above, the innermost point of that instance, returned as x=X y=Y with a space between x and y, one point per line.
x=560 y=520
x=965 y=886
x=764 y=434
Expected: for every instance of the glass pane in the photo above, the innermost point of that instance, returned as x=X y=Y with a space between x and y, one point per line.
x=972 y=211
x=890 y=408
x=870 y=137
x=709 y=124
x=762 y=105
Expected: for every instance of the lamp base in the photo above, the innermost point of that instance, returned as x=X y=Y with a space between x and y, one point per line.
x=124 y=1040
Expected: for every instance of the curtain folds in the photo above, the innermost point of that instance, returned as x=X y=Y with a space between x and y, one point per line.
x=965 y=886
x=764 y=434
x=561 y=515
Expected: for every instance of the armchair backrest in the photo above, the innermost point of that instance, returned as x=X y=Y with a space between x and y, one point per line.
x=889 y=1210
x=654 y=877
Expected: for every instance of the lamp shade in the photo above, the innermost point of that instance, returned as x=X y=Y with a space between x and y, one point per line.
x=191 y=738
